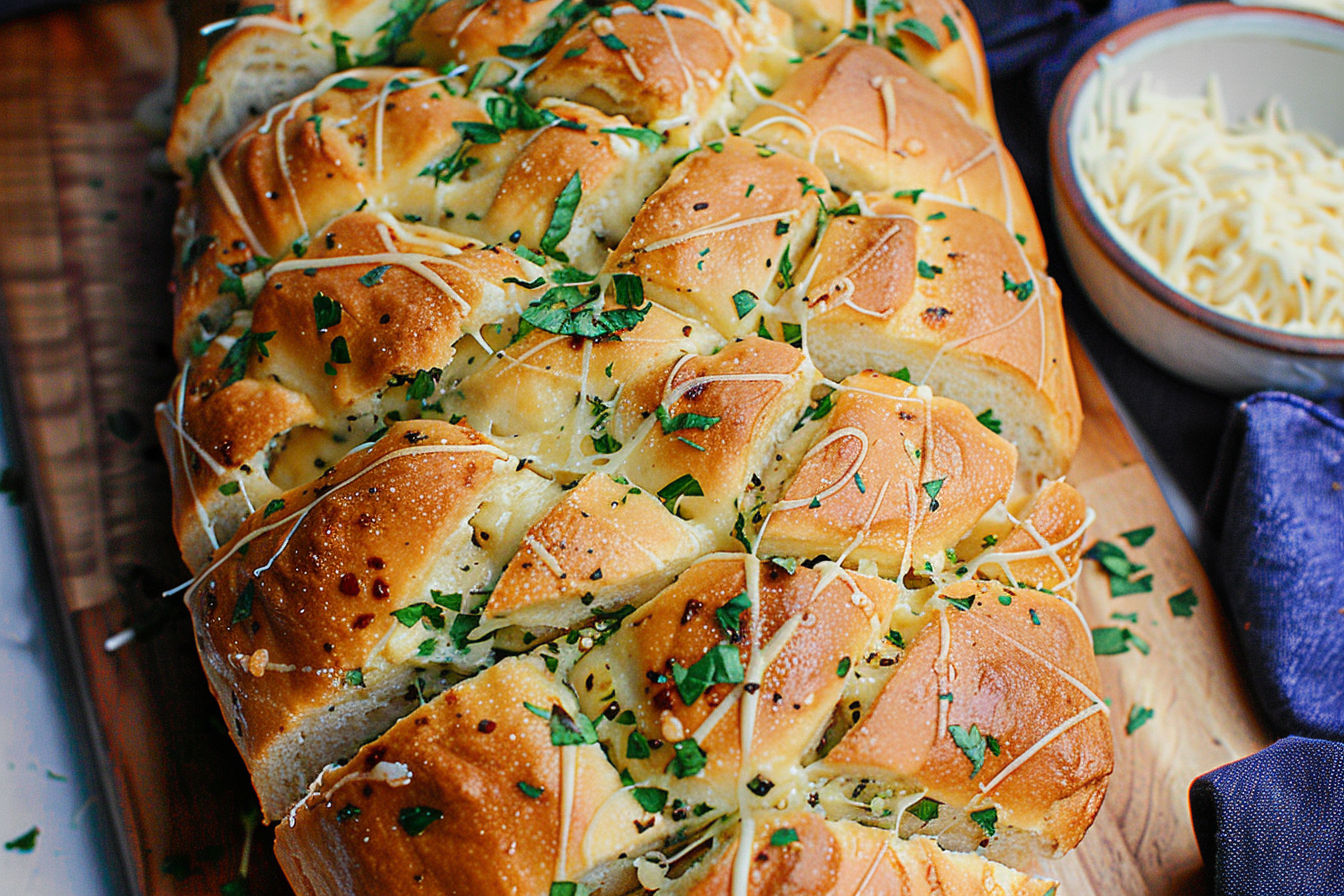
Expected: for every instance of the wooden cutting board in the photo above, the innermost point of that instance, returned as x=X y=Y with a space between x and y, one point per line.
x=85 y=212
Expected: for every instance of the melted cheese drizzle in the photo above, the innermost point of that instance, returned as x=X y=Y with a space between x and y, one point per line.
x=226 y=194
x=412 y=261
x=734 y=221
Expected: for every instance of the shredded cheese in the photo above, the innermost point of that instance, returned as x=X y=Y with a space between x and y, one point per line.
x=1244 y=218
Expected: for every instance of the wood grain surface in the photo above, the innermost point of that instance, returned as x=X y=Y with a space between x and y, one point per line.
x=86 y=212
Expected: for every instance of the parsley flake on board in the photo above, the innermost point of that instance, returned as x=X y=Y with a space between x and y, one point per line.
x=1110 y=640
x=25 y=842
x=1138 y=716
x=1183 y=603
x=721 y=664
x=1137 y=538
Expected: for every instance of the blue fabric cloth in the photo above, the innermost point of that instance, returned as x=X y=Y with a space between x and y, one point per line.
x=1273 y=823
x=1270 y=824
x=1275 y=517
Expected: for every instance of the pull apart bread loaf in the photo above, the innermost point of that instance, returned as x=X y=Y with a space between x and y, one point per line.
x=619 y=449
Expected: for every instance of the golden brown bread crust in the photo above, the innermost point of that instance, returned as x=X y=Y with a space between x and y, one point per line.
x=896 y=478
x=467 y=794
x=968 y=315
x=306 y=591
x=755 y=389
x=602 y=545
x=560 y=242
x=403 y=323
x=724 y=222
x=829 y=857
x=792 y=632
x=1018 y=665
x=956 y=61
x=874 y=124
x=1043 y=549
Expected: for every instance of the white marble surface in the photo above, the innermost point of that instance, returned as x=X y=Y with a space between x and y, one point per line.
x=42 y=782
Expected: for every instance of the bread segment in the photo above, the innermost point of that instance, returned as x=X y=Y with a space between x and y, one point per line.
x=468 y=794
x=615 y=446
x=327 y=605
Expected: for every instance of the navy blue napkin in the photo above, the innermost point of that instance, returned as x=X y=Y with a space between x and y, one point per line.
x=1273 y=823
x=1269 y=825
x=1275 y=517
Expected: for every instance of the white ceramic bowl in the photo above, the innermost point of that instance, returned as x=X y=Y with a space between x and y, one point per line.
x=1256 y=52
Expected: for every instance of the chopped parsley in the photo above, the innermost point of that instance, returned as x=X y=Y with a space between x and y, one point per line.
x=25 y=842
x=783 y=837
x=925 y=810
x=932 y=488
x=673 y=424
x=650 y=139
x=688 y=759
x=986 y=819
x=415 y=820
x=721 y=664
x=1137 y=538
x=567 y=730
x=1138 y=717
x=326 y=311
x=374 y=276
x=1183 y=603
x=730 y=614
x=562 y=218
x=531 y=791
x=1023 y=290
x=973 y=744
x=683 y=486
x=242 y=608
x=650 y=799
x=236 y=358
x=743 y=302
x=987 y=419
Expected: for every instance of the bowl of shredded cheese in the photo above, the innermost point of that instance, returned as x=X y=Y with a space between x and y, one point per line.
x=1198 y=174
